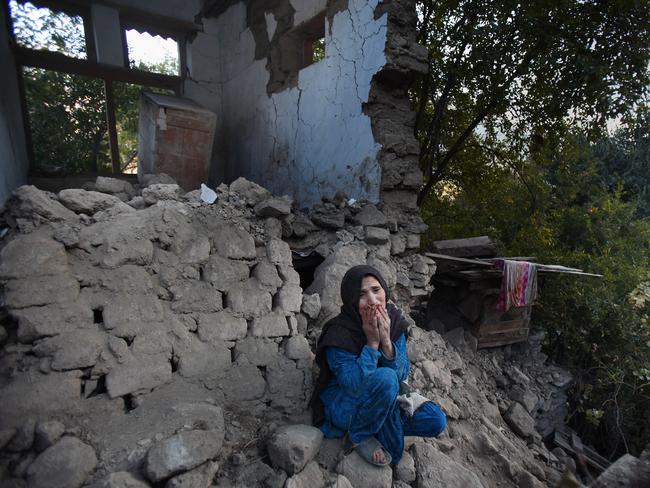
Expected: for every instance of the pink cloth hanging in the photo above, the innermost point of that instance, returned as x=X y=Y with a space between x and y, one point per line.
x=518 y=284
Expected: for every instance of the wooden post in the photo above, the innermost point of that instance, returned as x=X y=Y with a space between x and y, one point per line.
x=112 y=129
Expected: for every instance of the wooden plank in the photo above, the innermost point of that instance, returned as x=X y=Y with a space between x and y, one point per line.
x=112 y=129
x=493 y=341
x=66 y=64
x=446 y=257
x=593 y=458
x=510 y=326
x=470 y=246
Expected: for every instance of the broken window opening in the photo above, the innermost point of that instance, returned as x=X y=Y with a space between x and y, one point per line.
x=312 y=36
x=67 y=121
x=306 y=267
x=44 y=29
x=152 y=52
x=314 y=51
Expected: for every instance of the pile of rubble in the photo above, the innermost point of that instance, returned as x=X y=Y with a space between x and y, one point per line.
x=150 y=338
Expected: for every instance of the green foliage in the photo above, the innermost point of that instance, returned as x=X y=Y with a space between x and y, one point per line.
x=67 y=121
x=518 y=69
x=561 y=205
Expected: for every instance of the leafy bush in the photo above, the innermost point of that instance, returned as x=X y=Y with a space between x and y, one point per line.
x=565 y=205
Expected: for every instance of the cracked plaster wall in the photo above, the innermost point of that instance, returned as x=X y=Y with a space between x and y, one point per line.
x=13 y=152
x=312 y=139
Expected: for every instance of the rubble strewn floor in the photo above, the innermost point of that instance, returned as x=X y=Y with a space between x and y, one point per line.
x=152 y=339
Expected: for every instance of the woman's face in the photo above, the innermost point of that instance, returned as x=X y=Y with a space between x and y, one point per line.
x=371 y=293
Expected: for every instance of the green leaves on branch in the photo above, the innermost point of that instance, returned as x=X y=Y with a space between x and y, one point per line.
x=519 y=69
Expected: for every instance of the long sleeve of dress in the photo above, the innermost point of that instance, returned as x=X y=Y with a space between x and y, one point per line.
x=351 y=370
x=400 y=361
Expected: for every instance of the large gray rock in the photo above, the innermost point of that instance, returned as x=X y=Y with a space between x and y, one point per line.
x=626 y=472
x=200 y=477
x=39 y=394
x=223 y=272
x=369 y=215
x=287 y=384
x=297 y=347
x=405 y=469
x=41 y=290
x=156 y=179
x=27 y=201
x=66 y=464
x=72 y=350
x=203 y=359
x=118 y=249
x=249 y=299
x=243 y=382
x=160 y=191
x=437 y=373
x=37 y=322
x=138 y=374
x=311 y=305
x=196 y=296
x=267 y=275
x=278 y=252
x=190 y=248
x=113 y=185
x=520 y=421
x=89 y=202
x=182 y=452
x=251 y=192
x=377 y=235
x=32 y=255
x=127 y=315
x=362 y=474
x=221 y=326
x=328 y=276
x=259 y=352
x=310 y=477
x=289 y=299
x=291 y=447
x=271 y=325
x=234 y=243
x=273 y=207
x=435 y=469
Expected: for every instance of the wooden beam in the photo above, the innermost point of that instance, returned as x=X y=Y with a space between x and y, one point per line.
x=112 y=129
x=60 y=62
x=159 y=23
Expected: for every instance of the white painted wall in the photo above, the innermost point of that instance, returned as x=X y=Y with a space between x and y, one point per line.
x=311 y=140
x=13 y=153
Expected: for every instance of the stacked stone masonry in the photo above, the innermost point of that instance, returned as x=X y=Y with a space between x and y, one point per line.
x=168 y=342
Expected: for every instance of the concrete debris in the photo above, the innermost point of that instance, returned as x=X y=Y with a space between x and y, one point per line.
x=292 y=447
x=121 y=322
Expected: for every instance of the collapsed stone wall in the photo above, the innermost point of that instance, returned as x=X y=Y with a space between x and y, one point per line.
x=133 y=332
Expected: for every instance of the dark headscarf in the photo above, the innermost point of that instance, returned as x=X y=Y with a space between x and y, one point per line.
x=345 y=330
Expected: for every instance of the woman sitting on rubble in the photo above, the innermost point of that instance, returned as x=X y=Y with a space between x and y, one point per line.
x=362 y=358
